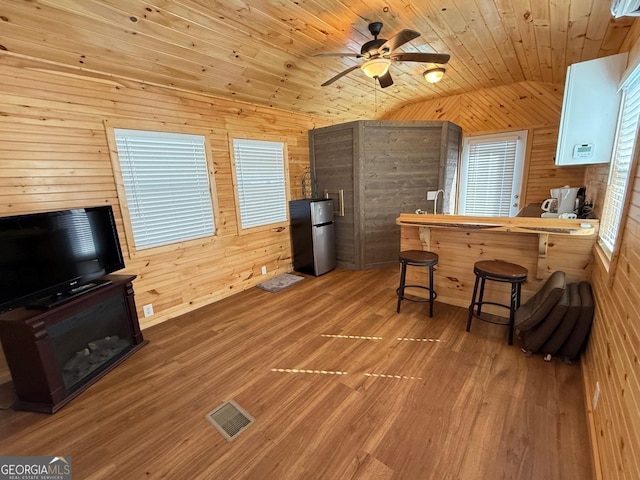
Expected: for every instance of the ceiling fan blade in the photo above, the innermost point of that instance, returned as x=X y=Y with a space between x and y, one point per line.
x=385 y=80
x=340 y=75
x=400 y=38
x=339 y=54
x=420 y=57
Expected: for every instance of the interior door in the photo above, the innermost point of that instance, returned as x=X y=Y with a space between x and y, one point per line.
x=491 y=174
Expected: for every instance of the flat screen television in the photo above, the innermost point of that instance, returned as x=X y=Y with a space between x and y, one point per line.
x=48 y=256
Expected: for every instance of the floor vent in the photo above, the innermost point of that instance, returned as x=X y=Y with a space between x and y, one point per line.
x=230 y=419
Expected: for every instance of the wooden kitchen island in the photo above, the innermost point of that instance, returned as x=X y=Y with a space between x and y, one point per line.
x=541 y=245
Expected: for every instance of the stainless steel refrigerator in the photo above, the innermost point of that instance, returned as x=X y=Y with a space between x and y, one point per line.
x=312 y=236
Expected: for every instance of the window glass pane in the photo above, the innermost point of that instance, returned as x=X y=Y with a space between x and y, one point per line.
x=166 y=181
x=260 y=179
x=620 y=164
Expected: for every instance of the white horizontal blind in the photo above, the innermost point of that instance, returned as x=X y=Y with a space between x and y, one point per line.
x=620 y=164
x=488 y=184
x=261 y=183
x=166 y=181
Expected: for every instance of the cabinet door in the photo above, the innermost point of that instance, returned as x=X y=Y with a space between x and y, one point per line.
x=590 y=111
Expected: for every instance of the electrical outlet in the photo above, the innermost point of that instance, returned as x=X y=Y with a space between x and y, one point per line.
x=148 y=310
x=432 y=195
x=264 y=270
x=596 y=395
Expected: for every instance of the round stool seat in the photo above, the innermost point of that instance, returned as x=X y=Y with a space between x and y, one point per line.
x=500 y=271
x=497 y=271
x=419 y=258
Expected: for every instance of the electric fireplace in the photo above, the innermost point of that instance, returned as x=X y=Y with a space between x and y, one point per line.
x=56 y=353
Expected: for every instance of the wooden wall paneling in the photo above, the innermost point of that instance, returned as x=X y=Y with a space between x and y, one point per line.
x=509 y=107
x=359 y=186
x=542 y=173
x=451 y=149
x=525 y=105
x=458 y=249
x=331 y=151
x=394 y=164
x=55 y=156
x=611 y=358
x=399 y=165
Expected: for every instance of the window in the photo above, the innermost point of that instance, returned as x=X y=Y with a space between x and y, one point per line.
x=491 y=174
x=166 y=184
x=261 y=182
x=623 y=150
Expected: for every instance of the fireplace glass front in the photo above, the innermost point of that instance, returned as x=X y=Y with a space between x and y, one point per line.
x=85 y=344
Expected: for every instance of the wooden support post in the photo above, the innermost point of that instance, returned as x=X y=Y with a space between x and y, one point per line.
x=543 y=241
x=425 y=238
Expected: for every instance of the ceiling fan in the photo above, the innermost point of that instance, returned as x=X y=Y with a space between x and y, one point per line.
x=379 y=54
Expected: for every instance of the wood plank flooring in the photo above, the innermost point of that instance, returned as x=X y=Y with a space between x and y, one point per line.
x=341 y=387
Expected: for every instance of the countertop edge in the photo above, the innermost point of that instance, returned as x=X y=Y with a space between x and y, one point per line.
x=536 y=225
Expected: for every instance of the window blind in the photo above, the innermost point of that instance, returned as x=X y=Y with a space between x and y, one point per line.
x=166 y=182
x=489 y=175
x=620 y=164
x=260 y=179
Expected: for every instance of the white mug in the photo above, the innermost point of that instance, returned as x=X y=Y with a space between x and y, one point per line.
x=569 y=216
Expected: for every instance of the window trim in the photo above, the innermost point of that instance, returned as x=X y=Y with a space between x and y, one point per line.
x=130 y=249
x=287 y=187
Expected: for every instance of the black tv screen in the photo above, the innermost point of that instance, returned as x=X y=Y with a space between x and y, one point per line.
x=48 y=254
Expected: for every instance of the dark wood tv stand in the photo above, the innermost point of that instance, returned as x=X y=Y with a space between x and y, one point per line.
x=40 y=345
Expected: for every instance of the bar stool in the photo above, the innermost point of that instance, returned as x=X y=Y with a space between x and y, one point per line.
x=498 y=271
x=417 y=258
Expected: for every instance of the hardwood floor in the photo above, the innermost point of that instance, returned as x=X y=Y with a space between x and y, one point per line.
x=341 y=387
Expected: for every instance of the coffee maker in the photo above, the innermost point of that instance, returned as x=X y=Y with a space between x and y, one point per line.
x=563 y=202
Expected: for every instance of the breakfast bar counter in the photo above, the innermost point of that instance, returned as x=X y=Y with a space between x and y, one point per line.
x=541 y=245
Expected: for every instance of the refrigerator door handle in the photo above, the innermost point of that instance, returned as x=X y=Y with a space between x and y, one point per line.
x=338 y=207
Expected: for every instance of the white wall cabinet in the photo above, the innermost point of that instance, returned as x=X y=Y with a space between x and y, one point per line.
x=590 y=111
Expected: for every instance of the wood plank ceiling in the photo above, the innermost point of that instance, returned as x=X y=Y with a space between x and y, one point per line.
x=262 y=51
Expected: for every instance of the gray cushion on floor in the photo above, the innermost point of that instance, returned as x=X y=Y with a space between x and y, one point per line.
x=537 y=307
x=534 y=338
x=578 y=338
x=560 y=335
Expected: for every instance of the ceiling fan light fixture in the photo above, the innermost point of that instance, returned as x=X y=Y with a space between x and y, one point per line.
x=376 y=67
x=434 y=75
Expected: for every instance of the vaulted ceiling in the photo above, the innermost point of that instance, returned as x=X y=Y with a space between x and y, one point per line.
x=263 y=51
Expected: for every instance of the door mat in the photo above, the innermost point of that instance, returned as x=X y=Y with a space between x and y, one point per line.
x=280 y=282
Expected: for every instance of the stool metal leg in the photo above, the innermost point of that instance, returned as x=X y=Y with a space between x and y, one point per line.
x=400 y=293
x=481 y=295
x=431 y=292
x=473 y=302
x=512 y=310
